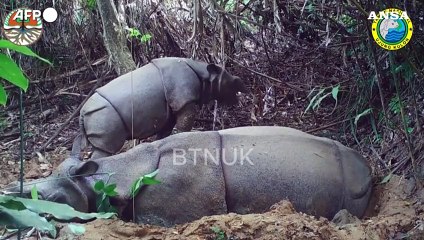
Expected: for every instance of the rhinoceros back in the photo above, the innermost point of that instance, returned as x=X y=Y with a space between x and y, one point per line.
x=139 y=98
x=318 y=175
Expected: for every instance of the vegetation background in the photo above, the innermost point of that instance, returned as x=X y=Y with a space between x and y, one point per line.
x=309 y=64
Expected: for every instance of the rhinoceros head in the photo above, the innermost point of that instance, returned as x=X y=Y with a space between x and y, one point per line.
x=225 y=87
x=65 y=185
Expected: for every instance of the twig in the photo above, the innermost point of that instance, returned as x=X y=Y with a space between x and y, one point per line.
x=242 y=18
x=56 y=94
x=69 y=93
x=360 y=8
x=74 y=114
x=402 y=113
x=379 y=157
x=65 y=75
x=269 y=77
x=328 y=125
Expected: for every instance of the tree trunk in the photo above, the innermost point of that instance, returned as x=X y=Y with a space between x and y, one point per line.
x=114 y=38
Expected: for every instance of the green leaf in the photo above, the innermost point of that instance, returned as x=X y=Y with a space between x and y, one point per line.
x=34 y=192
x=135 y=187
x=386 y=178
x=152 y=174
x=335 y=92
x=410 y=130
x=58 y=210
x=364 y=113
x=109 y=188
x=318 y=102
x=313 y=99
x=21 y=49
x=3 y=95
x=112 y=194
x=10 y=71
x=147 y=179
x=99 y=185
x=77 y=229
x=145 y=38
x=25 y=218
x=150 y=181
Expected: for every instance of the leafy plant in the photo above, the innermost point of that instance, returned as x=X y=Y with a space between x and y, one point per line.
x=364 y=113
x=394 y=105
x=16 y=212
x=91 y=4
x=104 y=193
x=10 y=71
x=135 y=33
x=34 y=193
x=317 y=99
x=219 y=234
x=148 y=179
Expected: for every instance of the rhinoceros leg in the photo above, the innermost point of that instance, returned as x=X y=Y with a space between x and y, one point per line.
x=185 y=117
x=167 y=129
x=103 y=126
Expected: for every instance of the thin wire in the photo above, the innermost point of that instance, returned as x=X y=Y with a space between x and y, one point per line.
x=21 y=133
x=21 y=154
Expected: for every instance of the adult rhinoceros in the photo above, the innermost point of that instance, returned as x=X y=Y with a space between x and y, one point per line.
x=242 y=170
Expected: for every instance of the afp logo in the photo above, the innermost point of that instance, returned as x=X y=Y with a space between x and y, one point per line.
x=391 y=29
x=24 y=26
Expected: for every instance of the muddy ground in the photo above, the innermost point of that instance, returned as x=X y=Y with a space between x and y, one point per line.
x=396 y=212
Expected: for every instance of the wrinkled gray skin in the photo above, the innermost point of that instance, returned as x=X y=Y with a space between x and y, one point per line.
x=152 y=100
x=318 y=175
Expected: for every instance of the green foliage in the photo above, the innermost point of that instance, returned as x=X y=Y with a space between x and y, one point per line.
x=18 y=212
x=148 y=179
x=34 y=193
x=230 y=5
x=364 y=113
x=317 y=99
x=146 y=38
x=135 y=33
x=104 y=193
x=387 y=178
x=219 y=234
x=406 y=70
x=91 y=4
x=10 y=71
x=394 y=105
x=21 y=49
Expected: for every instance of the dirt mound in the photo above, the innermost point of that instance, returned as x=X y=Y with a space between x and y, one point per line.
x=398 y=213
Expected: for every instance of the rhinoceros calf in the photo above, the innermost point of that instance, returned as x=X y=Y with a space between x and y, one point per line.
x=152 y=100
x=242 y=170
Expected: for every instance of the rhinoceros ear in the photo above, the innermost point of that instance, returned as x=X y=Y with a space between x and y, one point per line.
x=214 y=69
x=84 y=169
x=239 y=85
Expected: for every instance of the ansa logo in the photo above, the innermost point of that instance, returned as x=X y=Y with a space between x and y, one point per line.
x=391 y=29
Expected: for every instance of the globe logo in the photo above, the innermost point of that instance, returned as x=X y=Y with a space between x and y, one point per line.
x=24 y=26
x=391 y=28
